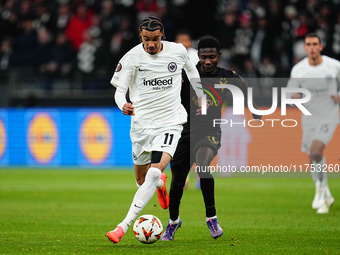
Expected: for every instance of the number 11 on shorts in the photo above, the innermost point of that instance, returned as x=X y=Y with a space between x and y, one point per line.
x=167 y=135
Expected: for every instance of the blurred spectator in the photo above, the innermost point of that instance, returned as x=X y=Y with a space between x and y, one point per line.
x=288 y=24
x=62 y=58
x=8 y=20
x=25 y=11
x=184 y=38
x=225 y=34
x=336 y=38
x=323 y=31
x=63 y=17
x=274 y=18
x=262 y=42
x=325 y=12
x=86 y=53
x=298 y=51
x=248 y=69
x=199 y=17
x=288 y=36
x=266 y=68
x=146 y=8
x=302 y=27
x=45 y=67
x=124 y=39
x=256 y=9
x=168 y=22
x=86 y=58
x=227 y=30
x=256 y=36
x=6 y=52
x=110 y=20
x=281 y=58
x=267 y=72
x=250 y=74
x=25 y=44
x=95 y=28
x=312 y=9
x=243 y=39
x=78 y=24
x=44 y=17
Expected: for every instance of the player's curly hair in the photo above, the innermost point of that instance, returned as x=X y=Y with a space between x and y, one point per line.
x=209 y=42
x=152 y=23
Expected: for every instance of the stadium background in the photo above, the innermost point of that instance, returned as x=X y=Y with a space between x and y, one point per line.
x=57 y=58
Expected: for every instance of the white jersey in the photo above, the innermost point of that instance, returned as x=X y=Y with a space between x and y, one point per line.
x=321 y=82
x=154 y=83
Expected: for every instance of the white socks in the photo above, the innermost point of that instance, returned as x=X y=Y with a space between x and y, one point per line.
x=137 y=184
x=174 y=221
x=159 y=184
x=319 y=176
x=142 y=196
x=210 y=218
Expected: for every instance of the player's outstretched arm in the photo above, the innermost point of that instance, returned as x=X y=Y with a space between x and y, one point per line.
x=192 y=74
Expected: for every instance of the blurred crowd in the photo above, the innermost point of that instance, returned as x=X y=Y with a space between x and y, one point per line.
x=62 y=41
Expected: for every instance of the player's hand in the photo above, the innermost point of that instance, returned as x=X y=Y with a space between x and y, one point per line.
x=199 y=110
x=128 y=109
x=336 y=98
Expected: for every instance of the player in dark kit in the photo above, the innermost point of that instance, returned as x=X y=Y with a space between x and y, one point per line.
x=200 y=139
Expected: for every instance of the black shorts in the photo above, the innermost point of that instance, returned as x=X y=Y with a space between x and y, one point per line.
x=181 y=157
x=206 y=139
x=190 y=142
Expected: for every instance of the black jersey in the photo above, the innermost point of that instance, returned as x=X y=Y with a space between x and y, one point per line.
x=216 y=98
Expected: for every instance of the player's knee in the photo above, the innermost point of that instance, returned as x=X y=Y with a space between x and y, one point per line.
x=316 y=154
x=204 y=156
x=153 y=174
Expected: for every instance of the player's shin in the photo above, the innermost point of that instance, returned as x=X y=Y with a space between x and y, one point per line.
x=323 y=174
x=142 y=196
x=316 y=174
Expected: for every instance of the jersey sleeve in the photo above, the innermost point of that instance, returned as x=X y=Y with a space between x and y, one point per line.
x=189 y=67
x=192 y=73
x=124 y=72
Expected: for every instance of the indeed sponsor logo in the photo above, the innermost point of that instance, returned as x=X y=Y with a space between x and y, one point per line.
x=157 y=82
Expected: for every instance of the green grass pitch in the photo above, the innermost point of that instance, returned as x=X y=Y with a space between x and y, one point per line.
x=68 y=211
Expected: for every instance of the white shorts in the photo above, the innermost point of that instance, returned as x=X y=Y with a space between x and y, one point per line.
x=146 y=140
x=323 y=132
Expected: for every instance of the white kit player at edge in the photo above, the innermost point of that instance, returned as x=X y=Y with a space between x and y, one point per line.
x=152 y=71
x=318 y=74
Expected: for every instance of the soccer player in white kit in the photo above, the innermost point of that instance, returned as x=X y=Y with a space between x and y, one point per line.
x=318 y=74
x=152 y=71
